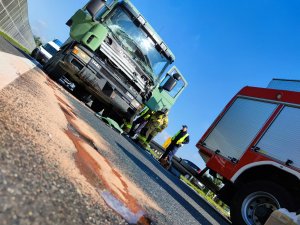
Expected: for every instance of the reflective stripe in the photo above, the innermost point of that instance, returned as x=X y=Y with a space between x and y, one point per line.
x=127 y=125
x=142 y=139
x=144 y=111
x=179 y=142
x=147 y=116
x=175 y=135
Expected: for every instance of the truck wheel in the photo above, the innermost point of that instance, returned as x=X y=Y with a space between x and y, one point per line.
x=97 y=106
x=80 y=93
x=53 y=70
x=255 y=201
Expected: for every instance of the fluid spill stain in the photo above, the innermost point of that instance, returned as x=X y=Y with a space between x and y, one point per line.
x=99 y=173
x=120 y=208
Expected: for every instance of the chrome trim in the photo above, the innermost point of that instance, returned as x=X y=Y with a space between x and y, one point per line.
x=123 y=64
x=295 y=105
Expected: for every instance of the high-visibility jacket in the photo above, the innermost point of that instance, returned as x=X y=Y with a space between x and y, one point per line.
x=146 y=113
x=181 y=140
x=159 y=121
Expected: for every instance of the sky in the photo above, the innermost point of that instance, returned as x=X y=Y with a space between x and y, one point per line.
x=220 y=47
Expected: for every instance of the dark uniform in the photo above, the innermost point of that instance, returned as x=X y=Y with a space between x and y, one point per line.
x=144 y=117
x=180 y=138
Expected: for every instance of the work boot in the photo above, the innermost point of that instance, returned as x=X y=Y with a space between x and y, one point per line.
x=161 y=159
x=131 y=133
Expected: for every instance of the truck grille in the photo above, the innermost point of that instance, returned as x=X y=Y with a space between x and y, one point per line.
x=123 y=64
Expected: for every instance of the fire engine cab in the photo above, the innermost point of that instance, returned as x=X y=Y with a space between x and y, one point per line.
x=253 y=146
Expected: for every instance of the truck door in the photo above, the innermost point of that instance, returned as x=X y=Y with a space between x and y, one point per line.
x=162 y=98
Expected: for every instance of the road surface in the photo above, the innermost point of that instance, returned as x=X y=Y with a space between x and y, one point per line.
x=61 y=165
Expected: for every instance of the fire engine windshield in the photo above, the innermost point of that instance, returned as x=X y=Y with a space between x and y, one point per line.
x=137 y=43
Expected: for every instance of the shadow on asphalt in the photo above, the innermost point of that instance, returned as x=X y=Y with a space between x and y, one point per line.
x=181 y=200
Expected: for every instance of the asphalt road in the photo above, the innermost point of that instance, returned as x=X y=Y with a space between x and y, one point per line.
x=183 y=206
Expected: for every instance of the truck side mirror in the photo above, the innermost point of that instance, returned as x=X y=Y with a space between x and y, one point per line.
x=94 y=6
x=170 y=84
x=177 y=76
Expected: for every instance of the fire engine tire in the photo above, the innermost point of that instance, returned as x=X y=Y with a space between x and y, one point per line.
x=255 y=201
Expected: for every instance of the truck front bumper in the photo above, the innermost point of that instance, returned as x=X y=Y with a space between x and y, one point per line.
x=100 y=81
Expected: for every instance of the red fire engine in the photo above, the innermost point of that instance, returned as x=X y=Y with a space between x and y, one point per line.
x=253 y=146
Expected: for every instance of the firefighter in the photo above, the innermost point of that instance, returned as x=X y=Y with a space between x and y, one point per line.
x=126 y=126
x=180 y=138
x=141 y=121
x=156 y=124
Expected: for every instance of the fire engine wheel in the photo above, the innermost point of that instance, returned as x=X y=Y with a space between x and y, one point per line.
x=255 y=201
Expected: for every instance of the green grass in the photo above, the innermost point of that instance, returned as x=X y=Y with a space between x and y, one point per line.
x=14 y=42
x=204 y=196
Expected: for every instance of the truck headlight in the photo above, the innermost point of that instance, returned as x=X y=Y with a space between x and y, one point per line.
x=136 y=104
x=81 y=54
x=129 y=95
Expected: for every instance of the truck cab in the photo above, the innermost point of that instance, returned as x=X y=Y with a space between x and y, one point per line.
x=117 y=58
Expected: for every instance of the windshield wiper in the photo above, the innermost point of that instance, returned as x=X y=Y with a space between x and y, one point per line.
x=145 y=59
x=143 y=62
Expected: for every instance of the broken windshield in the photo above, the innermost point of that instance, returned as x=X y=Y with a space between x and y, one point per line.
x=136 y=42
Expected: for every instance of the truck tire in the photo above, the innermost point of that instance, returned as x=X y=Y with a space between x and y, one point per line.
x=97 y=106
x=255 y=201
x=53 y=70
x=80 y=93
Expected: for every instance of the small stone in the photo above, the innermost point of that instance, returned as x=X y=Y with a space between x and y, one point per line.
x=10 y=190
x=78 y=191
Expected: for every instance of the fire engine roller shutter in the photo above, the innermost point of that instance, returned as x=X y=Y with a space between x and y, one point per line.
x=282 y=139
x=238 y=127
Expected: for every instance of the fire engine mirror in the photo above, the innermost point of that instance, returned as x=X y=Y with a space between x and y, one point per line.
x=94 y=6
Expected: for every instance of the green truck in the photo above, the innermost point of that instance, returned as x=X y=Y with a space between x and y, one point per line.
x=117 y=60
